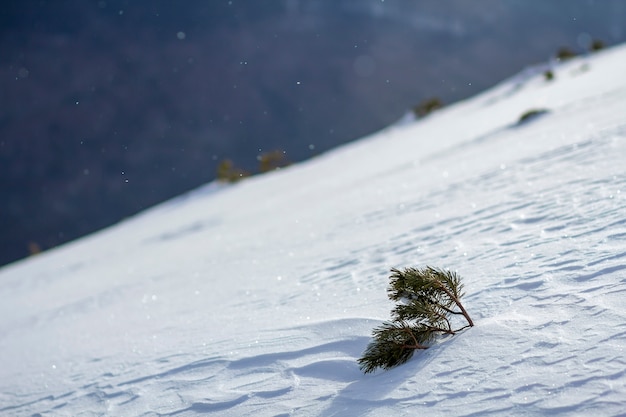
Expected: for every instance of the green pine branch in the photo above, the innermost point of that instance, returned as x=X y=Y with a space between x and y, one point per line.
x=426 y=298
x=394 y=344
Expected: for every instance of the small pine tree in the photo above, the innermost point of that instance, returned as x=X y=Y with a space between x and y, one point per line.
x=270 y=161
x=426 y=300
x=227 y=172
x=427 y=106
x=596 y=45
x=34 y=248
x=530 y=115
x=564 y=53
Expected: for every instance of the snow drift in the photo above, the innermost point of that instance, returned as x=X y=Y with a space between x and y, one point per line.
x=256 y=299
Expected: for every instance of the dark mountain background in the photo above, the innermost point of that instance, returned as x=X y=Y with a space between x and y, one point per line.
x=108 y=107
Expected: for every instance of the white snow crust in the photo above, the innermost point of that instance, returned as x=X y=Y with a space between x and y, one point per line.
x=257 y=299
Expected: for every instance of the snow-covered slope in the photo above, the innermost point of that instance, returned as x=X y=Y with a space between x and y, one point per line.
x=256 y=299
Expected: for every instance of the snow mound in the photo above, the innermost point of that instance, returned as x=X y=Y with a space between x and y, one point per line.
x=258 y=298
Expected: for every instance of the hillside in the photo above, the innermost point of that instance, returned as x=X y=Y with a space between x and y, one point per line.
x=257 y=299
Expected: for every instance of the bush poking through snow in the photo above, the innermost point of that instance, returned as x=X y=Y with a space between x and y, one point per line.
x=427 y=298
x=228 y=172
x=548 y=75
x=270 y=161
x=531 y=114
x=428 y=106
x=564 y=53
x=596 y=45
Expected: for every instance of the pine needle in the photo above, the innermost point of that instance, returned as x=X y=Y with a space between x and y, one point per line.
x=426 y=299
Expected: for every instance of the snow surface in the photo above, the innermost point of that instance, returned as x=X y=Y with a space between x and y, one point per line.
x=257 y=299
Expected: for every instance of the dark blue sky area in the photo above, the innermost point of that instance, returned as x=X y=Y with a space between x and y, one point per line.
x=109 y=107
